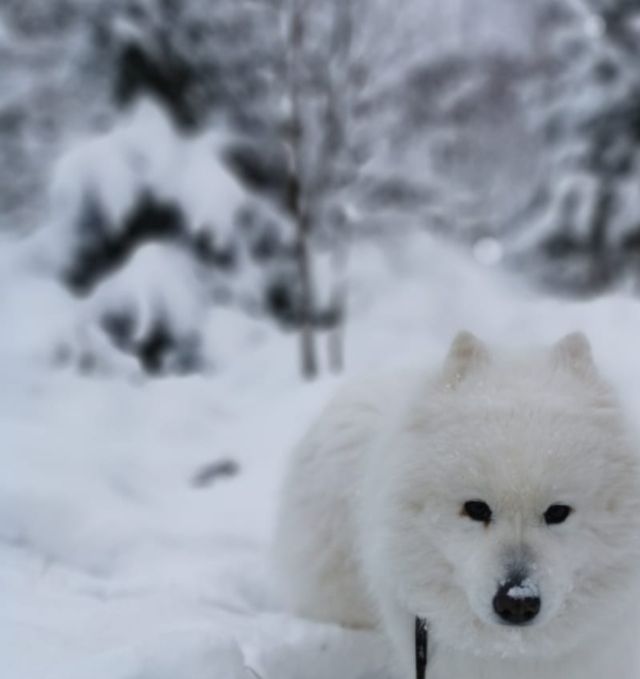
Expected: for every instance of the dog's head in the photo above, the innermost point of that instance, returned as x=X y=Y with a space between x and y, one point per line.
x=511 y=516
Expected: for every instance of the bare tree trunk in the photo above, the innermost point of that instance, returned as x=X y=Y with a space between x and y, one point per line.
x=336 y=338
x=308 y=353
x=600 y=221
x=601 y=216
x=298 y=203
x=338 y=172
x=309 y=360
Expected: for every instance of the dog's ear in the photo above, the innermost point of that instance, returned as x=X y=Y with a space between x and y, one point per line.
x=467 y=354
x=573 y=353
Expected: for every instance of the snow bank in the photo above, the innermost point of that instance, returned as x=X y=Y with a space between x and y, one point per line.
x=36 y=313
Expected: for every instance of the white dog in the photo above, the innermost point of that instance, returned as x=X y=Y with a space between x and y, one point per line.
x=498 y=500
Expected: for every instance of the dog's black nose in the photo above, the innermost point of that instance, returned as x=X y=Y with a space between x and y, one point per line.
x=516 y=603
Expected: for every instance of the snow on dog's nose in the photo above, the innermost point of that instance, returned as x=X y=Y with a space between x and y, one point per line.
x=517 y=602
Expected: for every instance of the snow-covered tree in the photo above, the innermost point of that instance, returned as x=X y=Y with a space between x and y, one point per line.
x=392 y=130
x=586 y=102
x=53 y=82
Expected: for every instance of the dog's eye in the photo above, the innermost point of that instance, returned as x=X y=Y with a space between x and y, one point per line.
x=557 y=514
x=477 y=510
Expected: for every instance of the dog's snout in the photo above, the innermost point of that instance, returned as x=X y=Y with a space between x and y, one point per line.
x=517 y=602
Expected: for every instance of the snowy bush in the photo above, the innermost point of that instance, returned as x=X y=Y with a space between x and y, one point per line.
x=151 y=308
x=135 y=212
x=142 y=180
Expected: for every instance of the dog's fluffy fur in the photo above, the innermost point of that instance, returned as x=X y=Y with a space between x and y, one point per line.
x=371 y=531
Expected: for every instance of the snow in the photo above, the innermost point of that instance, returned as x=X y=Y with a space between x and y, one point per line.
x=526 y=590
x=207 y=191
x=36 y=315
x=115 y=563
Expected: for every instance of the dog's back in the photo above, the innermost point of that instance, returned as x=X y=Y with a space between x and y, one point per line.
x=316 y=550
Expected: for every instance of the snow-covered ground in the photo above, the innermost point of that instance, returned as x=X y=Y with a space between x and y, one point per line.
x=123 y=555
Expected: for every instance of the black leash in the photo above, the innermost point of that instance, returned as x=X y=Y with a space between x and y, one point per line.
x=422 y=647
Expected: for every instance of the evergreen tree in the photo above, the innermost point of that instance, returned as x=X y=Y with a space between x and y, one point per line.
x=586 y=101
